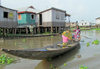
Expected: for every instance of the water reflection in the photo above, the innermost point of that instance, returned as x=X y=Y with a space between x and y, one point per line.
x=28 y=43
x=59 y=60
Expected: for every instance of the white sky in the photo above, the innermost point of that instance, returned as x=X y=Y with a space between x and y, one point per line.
x=79 y=9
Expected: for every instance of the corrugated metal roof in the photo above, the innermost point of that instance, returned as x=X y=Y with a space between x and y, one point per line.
x=53 y=9
x=29 y=9
x=8 y=8
x=26 y=12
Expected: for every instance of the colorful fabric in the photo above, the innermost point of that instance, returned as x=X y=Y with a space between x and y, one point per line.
x=77 y=33
x=73 y=36
x=67 y=34
x=65 y=39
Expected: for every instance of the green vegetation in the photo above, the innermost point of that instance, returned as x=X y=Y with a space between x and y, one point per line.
x=24 y=40
x=84 y=28
x=15 y=34
x=88 y=44
x=46 y=33
x=81 y=28
x=5 y=60
x=53 y=67
x=52 y=36
x=49 y=59
x=83 y=67
x=96 y=42
x=65 y=64
x=96 y=29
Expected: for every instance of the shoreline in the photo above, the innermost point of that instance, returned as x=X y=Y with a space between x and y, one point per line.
x=27 y=36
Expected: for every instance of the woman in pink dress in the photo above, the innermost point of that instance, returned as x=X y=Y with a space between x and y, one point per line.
x=66 y=36
x=77 y=33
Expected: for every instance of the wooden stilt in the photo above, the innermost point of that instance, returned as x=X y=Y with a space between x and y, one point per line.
x=8 y=31
x=56 y=30
x=39 y=30
x=4 y=32
x=15 y=31
x=45 y=29
x=26 y=30
x=51 y=29
x=34 y=30
x=59 y=29
x=20 y=31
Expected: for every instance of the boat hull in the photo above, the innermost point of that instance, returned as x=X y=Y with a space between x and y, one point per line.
x=42 y=53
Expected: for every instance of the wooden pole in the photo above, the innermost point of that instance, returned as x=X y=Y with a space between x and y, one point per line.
x=34 y=30
x=45 y=29
x=4 y=32
x=59 y=29
x=19 y=30
x=56 y=30
x=15 y=30
x=26 y=30
x=51 y=29
x=39 y=30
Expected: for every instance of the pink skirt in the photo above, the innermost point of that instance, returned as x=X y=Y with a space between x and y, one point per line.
x=76 y=36
x=65 y=39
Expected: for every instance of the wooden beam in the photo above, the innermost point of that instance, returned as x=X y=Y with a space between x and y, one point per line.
x=51 y=29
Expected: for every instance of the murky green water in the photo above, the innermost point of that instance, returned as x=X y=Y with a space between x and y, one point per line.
x=86 y=56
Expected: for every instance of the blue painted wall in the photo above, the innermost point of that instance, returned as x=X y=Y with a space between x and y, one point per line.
x=26 y=19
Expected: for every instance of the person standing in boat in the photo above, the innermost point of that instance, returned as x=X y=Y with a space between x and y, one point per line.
x=66 y=37
x=77 y=33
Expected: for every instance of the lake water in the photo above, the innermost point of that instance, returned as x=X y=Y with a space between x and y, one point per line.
x=83 y=55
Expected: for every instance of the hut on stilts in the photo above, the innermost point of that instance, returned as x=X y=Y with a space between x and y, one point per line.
x=8 y=21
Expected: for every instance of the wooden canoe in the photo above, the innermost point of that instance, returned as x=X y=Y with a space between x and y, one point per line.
x=42 y=53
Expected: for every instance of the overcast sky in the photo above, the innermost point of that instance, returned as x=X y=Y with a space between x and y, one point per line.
x=79 y=9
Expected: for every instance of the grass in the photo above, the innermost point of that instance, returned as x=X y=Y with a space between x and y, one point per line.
x=46 y=33
x=96 y=29
x=15 y=34
x=81 y=28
